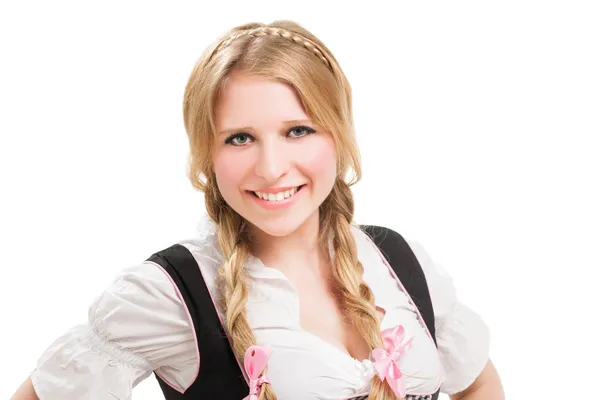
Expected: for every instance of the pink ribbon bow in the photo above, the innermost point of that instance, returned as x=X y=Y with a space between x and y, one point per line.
x=386 y=359
x=255 y=361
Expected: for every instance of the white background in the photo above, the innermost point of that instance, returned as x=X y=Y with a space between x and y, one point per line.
x=478 y=124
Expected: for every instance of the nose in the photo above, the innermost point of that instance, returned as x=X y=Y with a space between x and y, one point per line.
x=273 y=161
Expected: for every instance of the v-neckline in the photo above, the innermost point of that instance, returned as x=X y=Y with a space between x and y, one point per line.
x=326 y=343
x=257 y=265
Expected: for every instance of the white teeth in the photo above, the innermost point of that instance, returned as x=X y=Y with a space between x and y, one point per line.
x=277 y=196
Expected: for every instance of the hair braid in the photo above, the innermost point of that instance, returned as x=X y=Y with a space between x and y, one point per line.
x=276 y=31
x=358 y=299
x=234 y=294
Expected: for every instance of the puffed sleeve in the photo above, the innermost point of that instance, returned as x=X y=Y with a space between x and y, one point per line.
x=138 y=325
x=462 y=336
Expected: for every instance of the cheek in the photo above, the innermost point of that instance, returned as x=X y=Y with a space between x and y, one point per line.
x=320 y=158
x=230 y=168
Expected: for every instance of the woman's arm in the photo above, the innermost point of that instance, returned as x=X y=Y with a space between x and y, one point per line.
x=487 y=386
x=25 y=392
x=463 y=338
x=136 y=326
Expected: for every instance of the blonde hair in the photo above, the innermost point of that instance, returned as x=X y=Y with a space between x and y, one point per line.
x=286 y=52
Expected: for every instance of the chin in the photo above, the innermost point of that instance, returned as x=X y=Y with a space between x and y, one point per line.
x=279 y=227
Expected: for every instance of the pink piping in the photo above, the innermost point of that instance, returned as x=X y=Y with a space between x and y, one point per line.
x=420 y=317
x=421 y=320
x=194 y=330
x=225 y=330
x=191 y=324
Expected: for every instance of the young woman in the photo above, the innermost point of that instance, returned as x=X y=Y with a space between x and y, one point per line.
x=280 y=296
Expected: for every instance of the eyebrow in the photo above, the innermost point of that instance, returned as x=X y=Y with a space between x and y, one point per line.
x=249 y=128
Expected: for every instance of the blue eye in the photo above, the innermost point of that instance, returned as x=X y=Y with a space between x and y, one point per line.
x=300 y=131
x=239 y=139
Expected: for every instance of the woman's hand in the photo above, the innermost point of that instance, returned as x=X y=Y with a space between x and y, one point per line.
x=25 y=392
x=487 y=386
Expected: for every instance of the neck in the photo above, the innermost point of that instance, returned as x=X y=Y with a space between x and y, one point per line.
x=281 y=251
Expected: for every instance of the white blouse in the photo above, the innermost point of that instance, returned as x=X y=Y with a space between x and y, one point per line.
x=140 y=324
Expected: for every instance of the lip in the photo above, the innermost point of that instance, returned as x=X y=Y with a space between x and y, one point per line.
x=278 y=205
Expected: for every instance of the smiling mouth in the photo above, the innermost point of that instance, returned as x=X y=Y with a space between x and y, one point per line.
x=277 y=197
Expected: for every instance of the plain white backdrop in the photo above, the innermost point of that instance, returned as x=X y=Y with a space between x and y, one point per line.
x=478 y=124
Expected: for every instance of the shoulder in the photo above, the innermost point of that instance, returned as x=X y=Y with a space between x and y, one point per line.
x=136 y=325
x=379 y=234
x=388 y=259
x=391 y=242
x=385 y=242
x=139 y=296
x=204 y=247
x=377 y=237
x=204 y=243
x=409 y=259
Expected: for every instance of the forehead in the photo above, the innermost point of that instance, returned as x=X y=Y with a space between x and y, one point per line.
x=257 y=102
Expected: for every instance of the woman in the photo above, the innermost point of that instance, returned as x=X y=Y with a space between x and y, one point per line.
x=295 y=284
